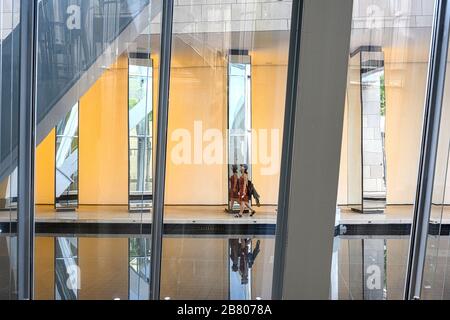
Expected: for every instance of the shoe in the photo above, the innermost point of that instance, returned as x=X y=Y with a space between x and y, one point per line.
x=253 y=213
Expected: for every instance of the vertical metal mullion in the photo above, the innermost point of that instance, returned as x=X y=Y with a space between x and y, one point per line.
x=429 y=148
x=161 y=148
x=288 y=136
x=28 y=29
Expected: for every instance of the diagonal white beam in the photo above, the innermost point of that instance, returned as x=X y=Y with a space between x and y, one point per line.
x=317 y=135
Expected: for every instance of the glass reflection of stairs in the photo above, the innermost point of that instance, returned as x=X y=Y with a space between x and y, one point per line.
x=66 y=57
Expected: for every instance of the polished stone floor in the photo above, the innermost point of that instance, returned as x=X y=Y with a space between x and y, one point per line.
x=214 y=267
x=401 y=214
x=362 y=257
x=84 y=265
x=173 y=214
x=394 y=214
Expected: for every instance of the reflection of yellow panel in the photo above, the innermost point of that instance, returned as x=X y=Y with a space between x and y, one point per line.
x=201 y=92
x=45 y=170
x=196 y=94
x=103 y=266
x=268 y=104
x=404 y=117
x=44 y=268
x=262 y=270
x=444 y=137
x=343 y=169
x=396 y=266
x=194 y=268
x=103 y=144
x=104 y=138
x=3 y=188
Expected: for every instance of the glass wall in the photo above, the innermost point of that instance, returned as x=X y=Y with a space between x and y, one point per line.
x=226 y=113
x=66 y=161
x=118 y=267
x=94 y=105
x=140 y=127
x=436 y=280
x=388 y=65
x=372 y=267
x=9 y=136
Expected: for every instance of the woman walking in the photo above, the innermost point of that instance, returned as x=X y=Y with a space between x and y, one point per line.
x=243 y=192
x=233 y=185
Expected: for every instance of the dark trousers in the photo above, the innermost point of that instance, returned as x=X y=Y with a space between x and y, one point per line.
x=255 y=195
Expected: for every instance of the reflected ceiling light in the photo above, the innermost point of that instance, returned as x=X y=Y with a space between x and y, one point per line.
x=167 y=298
x=258 y=298
x=117 y=299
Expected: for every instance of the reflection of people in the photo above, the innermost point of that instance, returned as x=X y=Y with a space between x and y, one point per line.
x=234 y=254
x=242 y=257
x=243 y=260
x=233 y=187
x=243 y=192
x=252 y=255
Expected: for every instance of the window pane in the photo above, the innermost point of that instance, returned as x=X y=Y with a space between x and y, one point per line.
x=95 y=84
x=387 y=78
x=9 y=137
x=226 y=114
x=436 y=282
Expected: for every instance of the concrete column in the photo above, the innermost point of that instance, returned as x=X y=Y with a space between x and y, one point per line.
x=324 y=54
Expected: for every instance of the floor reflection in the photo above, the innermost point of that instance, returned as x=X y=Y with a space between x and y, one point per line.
x=67 y=272
x=217 y=268
x=8 y=260
x=90 y=268
x=374 y=268
x=242 y=258
x=139 y=268
x=211 y=267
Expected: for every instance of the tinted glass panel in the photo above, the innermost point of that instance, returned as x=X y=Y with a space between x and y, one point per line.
x=226 y=117
x=390 y=45
x=96 y=61
x=9 y=135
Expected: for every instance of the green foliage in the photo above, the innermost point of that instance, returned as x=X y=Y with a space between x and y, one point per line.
x=133 y=102
x=383 y=96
